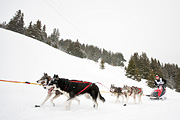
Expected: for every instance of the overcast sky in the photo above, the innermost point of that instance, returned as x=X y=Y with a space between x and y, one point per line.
x=127 y=26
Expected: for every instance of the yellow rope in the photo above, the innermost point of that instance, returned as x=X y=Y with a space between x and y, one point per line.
x=19 y=82
x=106 y=92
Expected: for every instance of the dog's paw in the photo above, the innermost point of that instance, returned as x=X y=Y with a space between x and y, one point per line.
x=37 y=106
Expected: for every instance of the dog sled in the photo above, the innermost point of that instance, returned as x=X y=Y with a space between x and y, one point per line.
x=158 y=93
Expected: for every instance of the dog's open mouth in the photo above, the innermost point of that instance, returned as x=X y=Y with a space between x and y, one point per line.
x=49 y=91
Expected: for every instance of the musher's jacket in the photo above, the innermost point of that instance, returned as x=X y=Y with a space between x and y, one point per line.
x=160 y=82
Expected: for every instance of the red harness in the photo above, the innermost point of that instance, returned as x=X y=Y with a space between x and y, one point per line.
x=89 y=83
x=138 y=92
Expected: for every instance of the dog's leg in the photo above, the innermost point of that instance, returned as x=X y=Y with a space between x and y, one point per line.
x=94 y=96
x=127 y=98
x=68 y=103
x=47 y=97
x=95 y=103
x=139 y=99
x=67 y=95
x=68 y=106
x=140 y=95
x=134 y=99
x=77 y=100
x=122 y=98
x=56 y=96
x=117 y=98
x=87 y=96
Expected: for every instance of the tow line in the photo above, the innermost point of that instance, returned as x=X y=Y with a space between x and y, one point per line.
x=19 y=82
x=110 y=91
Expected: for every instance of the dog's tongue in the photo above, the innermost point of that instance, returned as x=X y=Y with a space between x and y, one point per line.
x=50 y=90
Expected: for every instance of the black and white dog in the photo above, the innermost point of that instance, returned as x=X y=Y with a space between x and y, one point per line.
x=75 y=88
x=44 y=81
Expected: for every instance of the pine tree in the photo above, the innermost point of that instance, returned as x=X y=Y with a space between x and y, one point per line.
x=177 y=86
x=54 y=37
x=44 y=34
x=29 y=30
x=131 y=68
x=21 y=24
x=151 y=78
x=137 y=76
x=102 y=64
x=144 y=65
x=75 y=49
x=3 y=25
x=16 y=24
x=64 y=44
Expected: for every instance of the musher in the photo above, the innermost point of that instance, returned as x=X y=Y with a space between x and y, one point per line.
x=160 y=81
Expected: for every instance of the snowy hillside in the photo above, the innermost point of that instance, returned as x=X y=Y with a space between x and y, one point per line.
x=25 y=59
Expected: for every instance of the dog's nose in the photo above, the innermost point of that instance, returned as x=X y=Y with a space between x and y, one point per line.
x=44 y=87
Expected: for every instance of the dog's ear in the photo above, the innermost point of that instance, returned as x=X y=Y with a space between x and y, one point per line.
x=54 y=76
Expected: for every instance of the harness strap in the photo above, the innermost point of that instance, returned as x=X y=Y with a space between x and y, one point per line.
x=84 y=89
x=131 y=92
x=80 y=81
x=65 y=87
x=139 y=90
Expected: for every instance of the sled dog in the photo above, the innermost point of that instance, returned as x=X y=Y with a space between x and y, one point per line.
x=117 y=91
x=44 y=81
x=75 y=88
x=132 y=91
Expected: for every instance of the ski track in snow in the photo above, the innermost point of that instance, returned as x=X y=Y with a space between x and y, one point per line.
x=25 y=59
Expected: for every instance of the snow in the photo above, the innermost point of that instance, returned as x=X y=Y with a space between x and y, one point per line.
x=26 y=59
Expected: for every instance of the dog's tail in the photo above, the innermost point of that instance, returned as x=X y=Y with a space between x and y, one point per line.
x=101 y=97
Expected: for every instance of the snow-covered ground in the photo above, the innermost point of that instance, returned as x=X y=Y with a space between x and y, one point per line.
x=25 y=59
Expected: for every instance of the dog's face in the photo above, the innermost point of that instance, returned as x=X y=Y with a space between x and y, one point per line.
x=44 y=80
x=125 y=89
x=55 y=77
x=112 y=88
x=53 y=83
